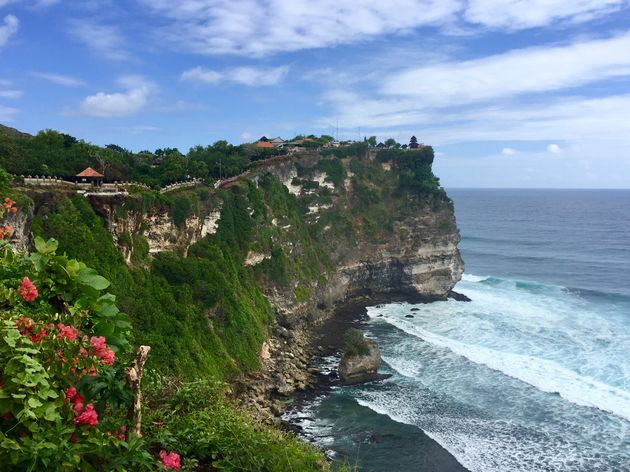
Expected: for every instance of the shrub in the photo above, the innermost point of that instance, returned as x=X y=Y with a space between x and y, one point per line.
x=198 y=421
x=354 y=343
x=63 y=397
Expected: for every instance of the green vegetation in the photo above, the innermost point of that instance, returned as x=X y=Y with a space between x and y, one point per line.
x=52 y=153
x=354 y=343
x=63 y=346
x=196 y=420
x=205 y=315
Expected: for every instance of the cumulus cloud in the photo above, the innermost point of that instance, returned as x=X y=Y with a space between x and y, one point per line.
x=250 y=76
x=59 y=79
x=106 y=40
x=554 y=149
x=132 y=100
x=8 y=28
x=519 y=71
x=507 y=151
x=517 y=14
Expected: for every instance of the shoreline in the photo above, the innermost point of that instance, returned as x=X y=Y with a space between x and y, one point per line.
x=325 y=342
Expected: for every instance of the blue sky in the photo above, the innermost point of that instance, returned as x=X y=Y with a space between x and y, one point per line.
x=511 y=93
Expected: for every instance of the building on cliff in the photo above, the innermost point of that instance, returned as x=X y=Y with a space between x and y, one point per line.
x=90 y=176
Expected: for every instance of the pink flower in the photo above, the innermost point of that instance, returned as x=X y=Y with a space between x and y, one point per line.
x=88 y=416
x=38 y=337
x=27 y=290
x=71 y=392
x=107 y=356
x=83 y=352
x=78 y=404
x=24 y=325
x=101 y=350
x=170 y=461
x=67 y=332
x=97 y=343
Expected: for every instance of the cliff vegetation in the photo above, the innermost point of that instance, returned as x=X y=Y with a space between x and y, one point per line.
x=222 y=282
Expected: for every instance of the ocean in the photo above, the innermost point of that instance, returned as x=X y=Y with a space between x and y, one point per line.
x=532 y=375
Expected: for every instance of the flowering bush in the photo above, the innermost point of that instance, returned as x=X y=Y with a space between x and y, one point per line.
x=63 y=398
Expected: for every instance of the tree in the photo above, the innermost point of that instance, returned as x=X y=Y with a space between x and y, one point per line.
x=391 y=143
x=372 y=141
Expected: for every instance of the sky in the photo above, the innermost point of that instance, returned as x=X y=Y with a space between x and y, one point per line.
x=510 y=93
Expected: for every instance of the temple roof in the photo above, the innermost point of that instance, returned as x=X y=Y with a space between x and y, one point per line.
x=89 y=172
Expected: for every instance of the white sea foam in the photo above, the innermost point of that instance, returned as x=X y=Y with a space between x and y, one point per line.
x=543 y=374
x=473 y=278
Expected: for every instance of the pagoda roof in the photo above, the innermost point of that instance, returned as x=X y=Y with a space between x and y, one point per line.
x=89 y=172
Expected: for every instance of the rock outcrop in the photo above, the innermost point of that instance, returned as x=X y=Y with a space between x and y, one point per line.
x=361 y=368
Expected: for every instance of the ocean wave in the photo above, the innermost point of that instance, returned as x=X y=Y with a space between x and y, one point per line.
x=547 y=376
x=540 y=287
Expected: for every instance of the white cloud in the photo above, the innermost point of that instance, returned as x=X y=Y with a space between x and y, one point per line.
x=520 y=71
x=507 y=151
x=262 y=27
x=554 y=149
x=8 y=28
x=59 y=79
x=13 y=94
x=199 y=74
x=104 y=39
x=572 y=119
x=7 y=113
x=129 y=102
x=250 y=76
x=7 y=2
x=520 y=14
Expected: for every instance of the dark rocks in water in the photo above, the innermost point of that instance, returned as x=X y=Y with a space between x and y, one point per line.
x=460 y=297
x=356 y=369
x=415 y=309
x=409 y=316
x=379 y=316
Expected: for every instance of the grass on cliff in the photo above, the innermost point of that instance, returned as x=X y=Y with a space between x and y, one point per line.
x=196 y=420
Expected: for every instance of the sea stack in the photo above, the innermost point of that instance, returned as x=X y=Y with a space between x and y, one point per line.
x=360 y=364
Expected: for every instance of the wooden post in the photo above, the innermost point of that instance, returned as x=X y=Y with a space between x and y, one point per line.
x=133 y=374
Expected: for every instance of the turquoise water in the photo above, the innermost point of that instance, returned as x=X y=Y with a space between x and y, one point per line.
x=532 y=375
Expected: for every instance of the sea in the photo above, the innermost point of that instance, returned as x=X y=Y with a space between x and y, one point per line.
x=532 y=375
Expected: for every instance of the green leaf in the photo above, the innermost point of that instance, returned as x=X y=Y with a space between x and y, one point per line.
x=46 y=247
x=50 y=413
x=34 y=402
x=91 y=278
x=12 y=336
x=108 y=310
x=40 y=245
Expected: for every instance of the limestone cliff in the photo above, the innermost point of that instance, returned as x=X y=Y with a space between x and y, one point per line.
x=322 y=231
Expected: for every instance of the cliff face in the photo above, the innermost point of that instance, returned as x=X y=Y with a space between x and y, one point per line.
x=416 y=257
x=311 y=233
